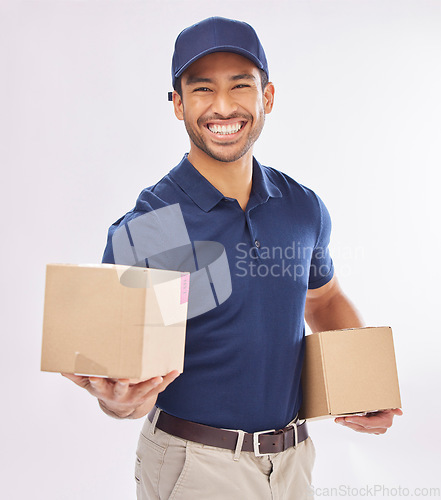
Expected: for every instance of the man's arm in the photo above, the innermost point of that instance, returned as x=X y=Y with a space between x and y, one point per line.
x=328 y=308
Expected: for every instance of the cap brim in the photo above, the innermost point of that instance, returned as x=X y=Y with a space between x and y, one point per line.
x=224 y=48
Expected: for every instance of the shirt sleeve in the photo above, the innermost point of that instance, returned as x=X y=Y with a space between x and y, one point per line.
x=322 y=267
x=120 y=247
x=108 y=257
x=119 y=235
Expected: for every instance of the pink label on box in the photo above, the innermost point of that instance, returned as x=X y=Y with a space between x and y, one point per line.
x=185 y=287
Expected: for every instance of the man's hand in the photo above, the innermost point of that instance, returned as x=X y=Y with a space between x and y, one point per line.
x=372 y=423
x=122 y=399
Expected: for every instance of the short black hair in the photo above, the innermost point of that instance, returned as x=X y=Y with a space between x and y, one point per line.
x=263 y=80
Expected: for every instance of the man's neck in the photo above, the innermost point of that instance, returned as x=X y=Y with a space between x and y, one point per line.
x=232 y=179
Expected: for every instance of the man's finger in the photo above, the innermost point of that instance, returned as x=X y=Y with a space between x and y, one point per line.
x=156 y=384
x=97 y=386
x=148 y=386
x=153 y=386
x=397 y=411
x=77 y=379
x=167 y=380
x=98 y=383
x=120 y=388
x=365 y=430
x=377 y=420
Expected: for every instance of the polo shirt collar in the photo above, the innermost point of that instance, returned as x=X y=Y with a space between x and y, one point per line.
x=206 y=196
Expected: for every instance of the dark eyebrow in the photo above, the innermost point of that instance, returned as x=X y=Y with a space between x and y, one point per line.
x=243 y=76
x=191 y=80
x=197 y=79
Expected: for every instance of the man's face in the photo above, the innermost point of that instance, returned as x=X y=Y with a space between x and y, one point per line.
x=223 y=106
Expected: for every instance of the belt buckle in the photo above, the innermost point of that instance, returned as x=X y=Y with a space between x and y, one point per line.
x=256 y=443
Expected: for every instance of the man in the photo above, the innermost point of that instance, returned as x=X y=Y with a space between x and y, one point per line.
x=207 y=436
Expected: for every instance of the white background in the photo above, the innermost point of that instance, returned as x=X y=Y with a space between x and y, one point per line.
x=85 y=125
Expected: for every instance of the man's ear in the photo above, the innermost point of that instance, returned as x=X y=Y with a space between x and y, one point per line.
x=178 y=105
x=268 y=97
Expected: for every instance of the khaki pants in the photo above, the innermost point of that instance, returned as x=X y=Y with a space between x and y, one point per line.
x=168 y=467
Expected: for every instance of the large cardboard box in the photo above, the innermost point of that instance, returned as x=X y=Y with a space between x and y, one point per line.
x=349 y=371
x=114 y=321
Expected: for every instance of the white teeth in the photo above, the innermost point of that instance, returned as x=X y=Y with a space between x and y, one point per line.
x=225 y=129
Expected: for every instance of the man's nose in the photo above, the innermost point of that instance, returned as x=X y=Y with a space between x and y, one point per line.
x=224 y=104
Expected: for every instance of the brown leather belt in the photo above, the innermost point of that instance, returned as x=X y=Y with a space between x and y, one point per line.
x=261 y=443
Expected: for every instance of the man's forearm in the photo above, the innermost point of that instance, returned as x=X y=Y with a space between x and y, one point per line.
x=336 y=314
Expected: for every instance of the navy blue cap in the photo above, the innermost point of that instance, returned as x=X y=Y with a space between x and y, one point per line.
x=216 y=34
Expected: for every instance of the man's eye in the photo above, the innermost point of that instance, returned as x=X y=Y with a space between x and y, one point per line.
x=241 y=86
x=201 y=89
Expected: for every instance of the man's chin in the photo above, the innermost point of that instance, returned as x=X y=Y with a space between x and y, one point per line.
x=225 y=153
x=226 y=157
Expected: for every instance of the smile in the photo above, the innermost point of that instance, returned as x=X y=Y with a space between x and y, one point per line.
x=229 y=129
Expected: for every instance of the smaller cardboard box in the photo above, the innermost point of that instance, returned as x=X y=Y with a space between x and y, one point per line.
x=349 y=371
x=114 y=321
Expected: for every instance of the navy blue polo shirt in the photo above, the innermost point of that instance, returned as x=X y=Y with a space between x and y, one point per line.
x=243 y=358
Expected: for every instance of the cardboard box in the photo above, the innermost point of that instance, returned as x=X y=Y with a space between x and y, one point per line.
x=349 y=371
x=114 y=321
